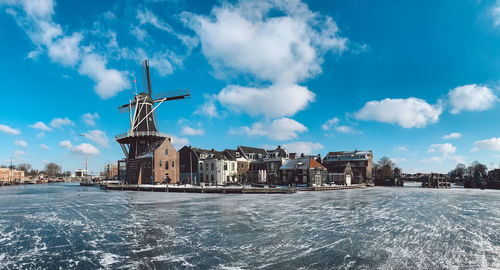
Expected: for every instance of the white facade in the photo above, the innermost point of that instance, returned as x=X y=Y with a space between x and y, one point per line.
x=218 y=172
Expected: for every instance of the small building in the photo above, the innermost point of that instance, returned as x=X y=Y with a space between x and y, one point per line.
x=11 y=175
x=273 y=161
x=80 y=173
x=111 y=171
x=218 y=168
x=191 y=160
x=361 y=163
x=305 y=171
x=257 y=169
x=341 y=175
x=242 y=165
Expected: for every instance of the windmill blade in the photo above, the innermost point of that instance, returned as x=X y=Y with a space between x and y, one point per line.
x=146 y=78
x=125 y=109
x=126 y=105
x=172 y=95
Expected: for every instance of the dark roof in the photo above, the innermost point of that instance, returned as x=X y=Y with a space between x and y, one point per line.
x=231 y=152
x=350 y=152
x=247 y=150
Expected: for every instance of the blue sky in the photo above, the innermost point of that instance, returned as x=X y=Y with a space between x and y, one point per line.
x=414 y=81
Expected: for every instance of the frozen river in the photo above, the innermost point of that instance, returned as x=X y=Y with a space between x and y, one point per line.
x=71 y=227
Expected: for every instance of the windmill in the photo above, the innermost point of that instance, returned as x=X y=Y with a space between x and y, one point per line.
x=143 y=136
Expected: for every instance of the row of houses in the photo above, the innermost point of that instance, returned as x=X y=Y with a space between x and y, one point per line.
x=250 y=165
x=247 y=165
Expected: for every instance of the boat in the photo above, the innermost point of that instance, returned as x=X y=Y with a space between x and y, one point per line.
x=30 y=182
x=87 y=183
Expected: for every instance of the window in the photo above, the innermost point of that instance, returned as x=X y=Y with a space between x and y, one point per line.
x=242 y=165
x=232 y=166
x=237 y=154
x=228 y=179
x=212 y=178
x=166 y=151
x=160 y=163
x=166 y=164
x=212 y=167
x=173 y=163
x=201 y=177
x=225 y=166
x=206 y=166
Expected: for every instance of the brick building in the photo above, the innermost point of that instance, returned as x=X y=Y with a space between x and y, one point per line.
x=360 y=162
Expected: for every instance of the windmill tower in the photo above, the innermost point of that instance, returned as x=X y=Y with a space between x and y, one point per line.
x=143 y=137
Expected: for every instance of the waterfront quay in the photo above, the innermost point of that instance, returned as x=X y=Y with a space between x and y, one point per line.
x=199 y=189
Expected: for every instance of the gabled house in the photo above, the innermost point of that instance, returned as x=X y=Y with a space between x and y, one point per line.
x=242 y=164
x=360 y=161
x=341 y=175
x=218 y=168
x=257 y=170
x=304 y=171
x=273 y=160
x=191 y=160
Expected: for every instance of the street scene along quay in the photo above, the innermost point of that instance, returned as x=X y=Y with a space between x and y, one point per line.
x=249 y=134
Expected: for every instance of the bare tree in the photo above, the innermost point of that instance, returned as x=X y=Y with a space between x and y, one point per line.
x=25 y=167
x=53 y=169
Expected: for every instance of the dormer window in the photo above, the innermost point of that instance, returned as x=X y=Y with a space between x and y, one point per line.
x=237 y=154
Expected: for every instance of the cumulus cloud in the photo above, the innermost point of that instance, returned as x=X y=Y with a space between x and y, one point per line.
x=307 y=148
x=179 y=142
x=44 y=146
x=330 y=123
x=21 y=143
x=453 y=135
x=40 y=135
x=443 y=148
x=208 y=108
x=248 y=38
x=97 y=136
x=471 y=97
x=273 y=101
x=66 y=144
x=278 y=129
x=495 y=13
x=9 y=130
x=85 y=148
x=446 y=151
x=492 y=144
x=109 y=82
x=36 y=19
x=41 y=126
x=408 y=113
x=345 y=129
x=61 y=122
x=89 y=118
x=402 y=148
x=187 y=130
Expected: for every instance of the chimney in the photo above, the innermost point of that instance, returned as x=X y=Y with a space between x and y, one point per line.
x=279 y=146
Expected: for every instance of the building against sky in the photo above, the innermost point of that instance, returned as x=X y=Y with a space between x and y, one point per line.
x=354 y=75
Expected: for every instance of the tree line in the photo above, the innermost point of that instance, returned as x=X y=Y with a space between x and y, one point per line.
x=51 y=169
x=474 y=169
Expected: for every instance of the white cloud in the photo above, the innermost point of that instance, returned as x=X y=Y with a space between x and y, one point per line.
x=274 y=101
x=345 y=129
x=402 y=148
x=41 y=126
x=44 y=146
x=18 y=153
x=408 y=113
x=186 y=130
x=60 y=122
x=66 y=144
x=21 y=143
x=208 y=108
x=36 y=19
x=98 y=136
x=453 y=135
x=278 y=129
x=495 y=13
x=40 y=135
x=66 y=50
x=398 y=160
x=9 y=130
x=492 y=144
x=178 y=142
x=330 y=123
x=471 y=97
x=444 y=148
x=247 y=38
x=109 y=82
x=89 y=118
x=307 y=148
x=85 y=148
